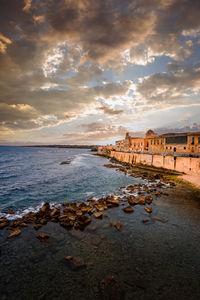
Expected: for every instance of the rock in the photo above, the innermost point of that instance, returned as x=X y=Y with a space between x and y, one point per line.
x=148 y=209
x=11 y=212
x=128 y=209
x=0 y=250
x=110 y=289
x=163 y=220
x=117 y=225
x=45 y=207
x=29 y=217
x=111 y=202
x=37 y=226
x=98 y=215
x=14 y=233
x=67 y=162
x=43 y=236
x=4 y=223
x=23 y=225
x=65 y=203
x=145 y=221
x=16 y=223
x=55 y=212
x=149 y=199
x=75 y=263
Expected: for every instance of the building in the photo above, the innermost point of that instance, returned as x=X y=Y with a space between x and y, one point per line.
x=182 y=143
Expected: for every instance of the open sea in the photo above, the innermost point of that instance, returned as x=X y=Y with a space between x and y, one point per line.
x=154 y=260
x=32 y=176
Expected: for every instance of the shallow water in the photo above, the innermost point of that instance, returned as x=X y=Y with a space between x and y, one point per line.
x=150 y=261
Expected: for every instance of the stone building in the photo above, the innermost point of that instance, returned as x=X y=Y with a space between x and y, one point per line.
x=123 y=145
x=182 y=143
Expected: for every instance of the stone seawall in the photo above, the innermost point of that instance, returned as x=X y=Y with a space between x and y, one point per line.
x=188 y=165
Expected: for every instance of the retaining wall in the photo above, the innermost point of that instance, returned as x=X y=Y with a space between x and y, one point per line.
x=190 y=165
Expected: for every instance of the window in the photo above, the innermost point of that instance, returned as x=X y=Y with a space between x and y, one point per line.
x=158 y=142
x=151 y=142
x=198 y=140
x=161 y=142
x=184 y=148
x=192 y=141
x=166 y=147
x=154 y=142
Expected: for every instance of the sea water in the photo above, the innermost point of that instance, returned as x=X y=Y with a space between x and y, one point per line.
x=31 y=176
x=149 y=261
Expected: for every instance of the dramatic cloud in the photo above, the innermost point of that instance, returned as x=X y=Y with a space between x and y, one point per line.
x=65 y=61
x=177 y=84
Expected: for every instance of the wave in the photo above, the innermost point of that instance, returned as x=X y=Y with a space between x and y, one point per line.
x=21 y=212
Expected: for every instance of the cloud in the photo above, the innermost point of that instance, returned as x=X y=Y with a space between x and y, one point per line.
x=195 y=127
x=27 y=6
x=94 y=132
x=180 y=83
x=110 y=111
x=4 y=42
x=60 y=59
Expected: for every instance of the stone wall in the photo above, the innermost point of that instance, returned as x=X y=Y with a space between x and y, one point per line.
x=189 y=165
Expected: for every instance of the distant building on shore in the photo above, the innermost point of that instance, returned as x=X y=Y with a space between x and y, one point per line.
x=182 y=143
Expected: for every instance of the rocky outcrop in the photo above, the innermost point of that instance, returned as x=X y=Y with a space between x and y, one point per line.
x=75 y=263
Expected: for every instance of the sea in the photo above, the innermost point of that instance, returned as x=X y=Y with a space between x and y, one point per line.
x=153 y=260
x=30 y=176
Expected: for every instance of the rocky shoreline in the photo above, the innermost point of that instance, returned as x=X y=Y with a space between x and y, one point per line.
x=79 y=214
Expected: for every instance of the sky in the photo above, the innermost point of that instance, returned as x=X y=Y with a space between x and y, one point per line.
x=88 y=71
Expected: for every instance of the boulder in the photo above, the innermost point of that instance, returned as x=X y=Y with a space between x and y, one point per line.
x=66 y=162
x=128 y=209
x=4 y=222
x=98 y=215
x=75 y=263
x=43 y=236
x=14 y=233
x=145 y=221
x=37 y=226
x=163 y=220
x=45 y=207
x=117 y=225
x=148 y=209
x=11 y=212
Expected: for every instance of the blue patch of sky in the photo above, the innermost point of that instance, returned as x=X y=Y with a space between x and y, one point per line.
x=134 y=72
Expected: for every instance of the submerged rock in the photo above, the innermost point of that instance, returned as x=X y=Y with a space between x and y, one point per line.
x=145 y=221
x=163 y=220
x=43 y=237
x=98 y=215
x=4 y=222
x=148 y=209
x=14 y=233
x=75 y=263
x=110 y=289
x=11 y=212
x=66 y=162
x=128 y=209
x=117 y=225
x=37 y=226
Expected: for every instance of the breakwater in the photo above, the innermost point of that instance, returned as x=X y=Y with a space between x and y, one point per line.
x=189 y=165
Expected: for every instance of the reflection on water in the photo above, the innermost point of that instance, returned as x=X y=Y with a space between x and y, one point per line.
x=150 y=261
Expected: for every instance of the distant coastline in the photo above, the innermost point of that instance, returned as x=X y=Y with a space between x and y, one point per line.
x=66 y=146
